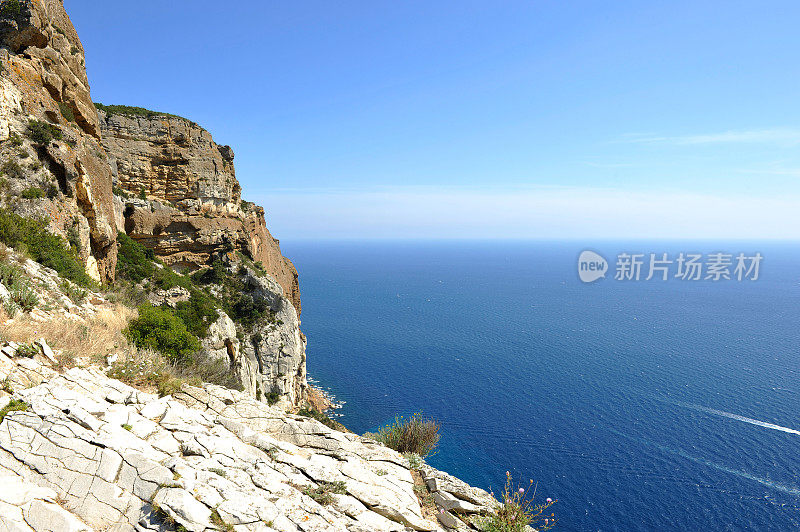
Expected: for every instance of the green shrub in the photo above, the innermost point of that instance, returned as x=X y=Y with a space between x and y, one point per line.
x=322 y=494
x=42 y=246
x=134 y=261
x=74 y=51
x=165 y=278
x=14 y=406
x=198 y=313
x=15 y=140
x=26 y=298
x=415 y=461
x=126 y=110
x=216 y=274
x=32 y=193
x=273 y=397
x=12 y=169
x=519 y=511
x=74 y=292
x=28 y=350
x=11 y=9
x=66 y=110
x=42 y=132
x=416 y=435
x=159 y=329
x=17 y=284
x=120 y=192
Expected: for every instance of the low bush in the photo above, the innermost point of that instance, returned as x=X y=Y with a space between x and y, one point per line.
x=15 y=140
x=519 y=511
x=66 y=110
x=32 y=193
x=165 y=278
x=42 y=246
x=17 y=284
x=416 y=435
x=134 y=261
x=14 y=406
x=216 y=274
x=12 y=169
x=10 y=9
x=42 y=132
x=129 y=111
x=75 y=293
x=147 y=368
x=159 y=329
x=28 y=350
x=322 y=494
x=198 y=313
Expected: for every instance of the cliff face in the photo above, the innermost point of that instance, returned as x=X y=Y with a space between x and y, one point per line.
x=44 y=82
x=175 y=161
x=62 y=159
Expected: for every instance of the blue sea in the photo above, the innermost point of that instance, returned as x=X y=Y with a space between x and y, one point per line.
x=649 y=405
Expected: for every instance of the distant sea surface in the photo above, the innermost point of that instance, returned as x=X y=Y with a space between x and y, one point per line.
x=638 y=405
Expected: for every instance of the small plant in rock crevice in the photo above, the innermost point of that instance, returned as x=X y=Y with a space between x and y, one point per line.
x=14 y=406
x=519 y=511
x=28 y=350
x=323 y=493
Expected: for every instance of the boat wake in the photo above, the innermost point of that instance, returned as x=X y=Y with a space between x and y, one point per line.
x=791 y=490
x=737 y=417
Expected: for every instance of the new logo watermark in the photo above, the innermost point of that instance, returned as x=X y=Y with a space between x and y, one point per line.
x=591 y=266
x=682 y=266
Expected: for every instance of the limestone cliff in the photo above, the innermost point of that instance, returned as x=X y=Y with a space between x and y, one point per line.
x=177 y=194
x=171 y=159
x=80 y=451
x=51 y=132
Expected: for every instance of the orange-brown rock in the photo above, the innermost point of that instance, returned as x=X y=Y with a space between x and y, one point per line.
x=182 y=196
x=44 y=79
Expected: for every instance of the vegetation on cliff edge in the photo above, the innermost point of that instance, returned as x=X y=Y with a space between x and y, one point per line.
x=133 y=112
x=417 y=435
x=32 y=238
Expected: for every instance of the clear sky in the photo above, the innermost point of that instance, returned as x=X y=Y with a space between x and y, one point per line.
x=490 y=119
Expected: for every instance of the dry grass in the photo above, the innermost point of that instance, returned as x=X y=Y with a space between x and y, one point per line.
x=417 y=435
x=85 y=341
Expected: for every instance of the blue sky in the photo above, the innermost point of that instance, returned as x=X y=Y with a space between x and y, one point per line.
x=511 y=119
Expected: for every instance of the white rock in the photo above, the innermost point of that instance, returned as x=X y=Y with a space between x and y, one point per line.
x=46 y=351
x=185 y=509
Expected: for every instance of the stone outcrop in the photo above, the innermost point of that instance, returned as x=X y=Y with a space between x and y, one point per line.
x=183 y=198
x=116 y=458
x=44 y=79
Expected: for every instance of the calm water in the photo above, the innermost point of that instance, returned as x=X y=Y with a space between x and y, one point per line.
x=616 y=398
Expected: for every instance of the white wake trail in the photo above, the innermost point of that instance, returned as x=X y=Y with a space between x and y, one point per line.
x=737 y=417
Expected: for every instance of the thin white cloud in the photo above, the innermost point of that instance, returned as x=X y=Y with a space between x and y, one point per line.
x=529 y=212
x=780 y=136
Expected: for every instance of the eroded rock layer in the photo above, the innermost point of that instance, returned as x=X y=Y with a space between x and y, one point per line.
x=189 y=204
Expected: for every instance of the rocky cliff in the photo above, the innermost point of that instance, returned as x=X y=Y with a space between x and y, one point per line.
x=53 y=164
x=200 y=212
x=90 y=171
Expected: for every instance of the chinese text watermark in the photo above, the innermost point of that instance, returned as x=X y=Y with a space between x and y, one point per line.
x=682 y=266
